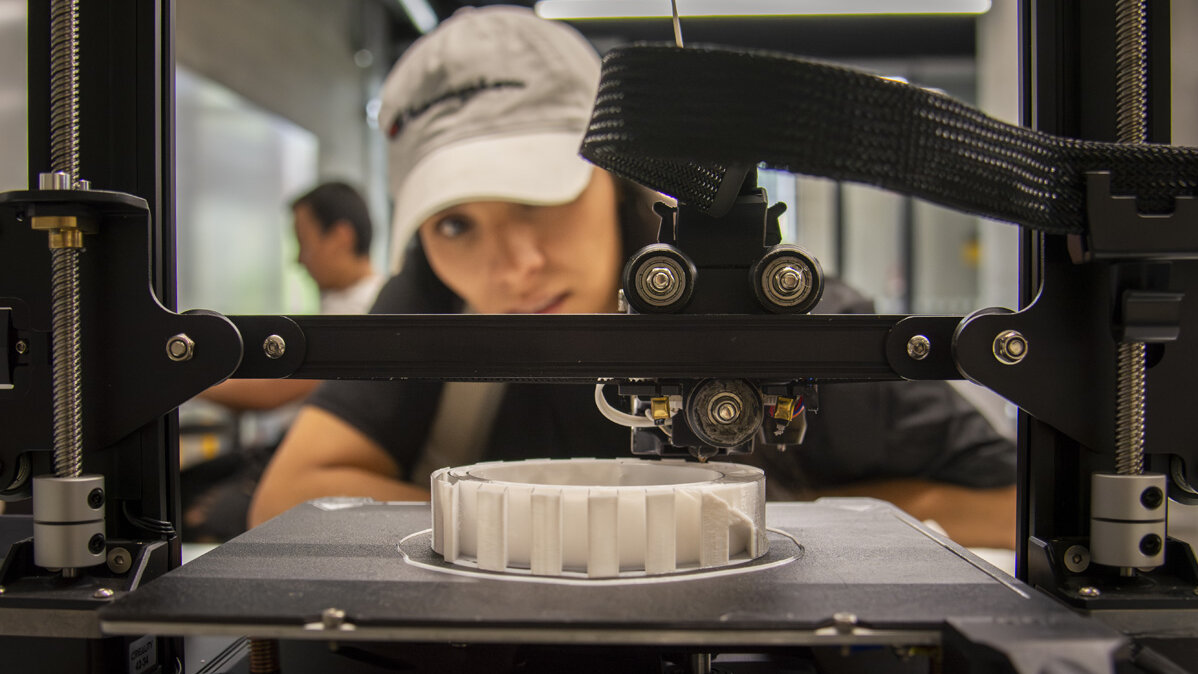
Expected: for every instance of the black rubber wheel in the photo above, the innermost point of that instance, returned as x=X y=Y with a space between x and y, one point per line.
x=659 y=279
x=787 y=280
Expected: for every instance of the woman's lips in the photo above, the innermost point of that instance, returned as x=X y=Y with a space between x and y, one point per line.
x=549 y=305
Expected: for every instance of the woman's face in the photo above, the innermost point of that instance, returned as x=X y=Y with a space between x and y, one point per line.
x=502 y=257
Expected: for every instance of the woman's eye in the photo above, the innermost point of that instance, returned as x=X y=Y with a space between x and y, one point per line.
x=452 y=226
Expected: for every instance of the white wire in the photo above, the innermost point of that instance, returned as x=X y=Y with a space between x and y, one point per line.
x=613 y=414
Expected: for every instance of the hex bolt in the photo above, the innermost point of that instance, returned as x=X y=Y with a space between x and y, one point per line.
x=96 y=544
x=788 y=278
x=274 y=347
x=1089 y=591
x=1150 y=545
x=661 y=280
x=918 y=347
x=844 y=622
x=103 y=593
x=119 y=560
x=726 y=411
x=180 y=348
x=332 y=618
x=21 y=346
x=1010 y=347
x=95 y=499
x=1152 y=498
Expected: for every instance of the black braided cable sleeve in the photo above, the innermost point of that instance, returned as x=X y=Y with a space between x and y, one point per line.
x=675 y=119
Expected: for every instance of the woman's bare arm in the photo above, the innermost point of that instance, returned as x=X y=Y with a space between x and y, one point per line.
x=259 y=394
x=971 y=517
x=322 y=455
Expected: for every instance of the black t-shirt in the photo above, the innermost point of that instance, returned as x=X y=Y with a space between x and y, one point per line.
x=863 y=431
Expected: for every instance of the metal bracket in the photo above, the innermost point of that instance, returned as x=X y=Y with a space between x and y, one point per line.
x=129 y=378
x=1117 y=230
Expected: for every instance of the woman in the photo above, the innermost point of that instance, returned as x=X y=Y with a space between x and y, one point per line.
x=484 y=117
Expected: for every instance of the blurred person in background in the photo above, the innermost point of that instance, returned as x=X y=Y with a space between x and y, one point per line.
x=333 y=228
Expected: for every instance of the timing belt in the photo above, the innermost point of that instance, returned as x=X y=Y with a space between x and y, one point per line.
x=680 y=120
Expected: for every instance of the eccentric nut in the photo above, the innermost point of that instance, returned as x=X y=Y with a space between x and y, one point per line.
x=918 y=347
x=1010 y=347
x=274 y=347
x=180 y=348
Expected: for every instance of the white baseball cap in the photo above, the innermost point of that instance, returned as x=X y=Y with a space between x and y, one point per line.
x=491 y=106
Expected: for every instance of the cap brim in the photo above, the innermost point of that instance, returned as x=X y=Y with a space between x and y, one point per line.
x=538 y=169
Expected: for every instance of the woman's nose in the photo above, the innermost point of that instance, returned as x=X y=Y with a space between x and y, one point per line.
x=520 y=253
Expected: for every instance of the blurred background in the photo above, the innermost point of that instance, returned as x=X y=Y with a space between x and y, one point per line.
x=273 y=96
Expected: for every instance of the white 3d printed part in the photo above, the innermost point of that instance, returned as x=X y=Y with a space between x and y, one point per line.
x=598 y=517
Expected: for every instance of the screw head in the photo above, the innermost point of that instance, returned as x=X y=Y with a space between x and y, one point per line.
x=1077 y=558
x=918 y=347
x=788 y=279
x=274 y=347
x=95 y=499
x=1010 y=347
x=844 y=622
x=103 y=593
x=1152 y=498
x=1089 y=591
x=96 y=544
x=332 y=618
x=661 y=280
x=21 y=346
x=180 y=348
x=119 y=560
x=1151 y=545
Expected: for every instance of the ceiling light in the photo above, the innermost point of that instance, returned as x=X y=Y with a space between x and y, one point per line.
x=643 y=9
x=420 y=13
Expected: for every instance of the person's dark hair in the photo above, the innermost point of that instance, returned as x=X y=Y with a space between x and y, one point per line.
x=424 y=292
x=335 y=201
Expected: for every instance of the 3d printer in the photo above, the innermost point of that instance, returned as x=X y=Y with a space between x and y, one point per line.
x=1100 y=277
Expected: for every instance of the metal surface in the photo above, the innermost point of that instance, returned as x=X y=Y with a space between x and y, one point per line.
x=586 y=347
x=1129 y=417
x=918 y=347
x=1010 y=347
x=1136 y=498
x=180 y=348
x=346 y=557
x=49 y=622
x=274 y=347
x=68 y=521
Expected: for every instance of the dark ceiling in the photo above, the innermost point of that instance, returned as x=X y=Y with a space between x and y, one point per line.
x=820 y=37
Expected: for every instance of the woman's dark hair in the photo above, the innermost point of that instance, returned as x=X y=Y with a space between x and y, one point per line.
x=335 y=201
x=421 y=291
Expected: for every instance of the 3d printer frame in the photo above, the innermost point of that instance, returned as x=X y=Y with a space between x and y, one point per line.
x=1071 y=315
